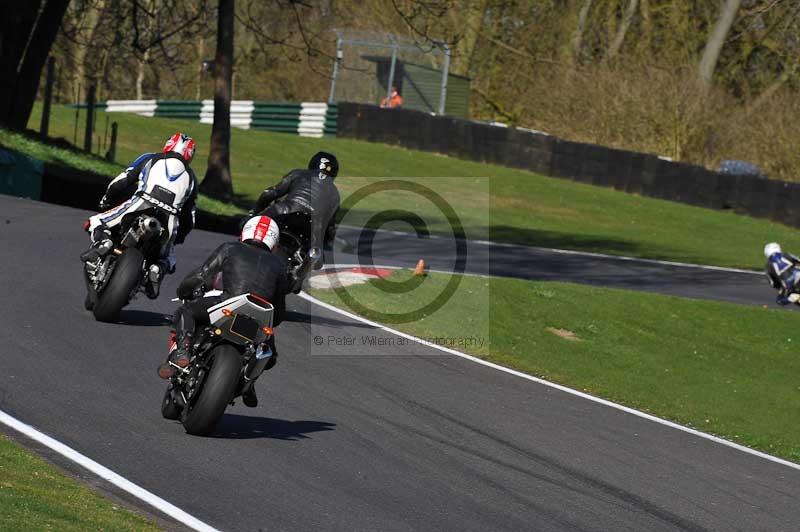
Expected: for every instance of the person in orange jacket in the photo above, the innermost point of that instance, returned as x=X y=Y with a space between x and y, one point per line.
x=394 y=101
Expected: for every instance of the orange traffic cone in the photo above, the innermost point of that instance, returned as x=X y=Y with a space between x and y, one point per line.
x=420 y=269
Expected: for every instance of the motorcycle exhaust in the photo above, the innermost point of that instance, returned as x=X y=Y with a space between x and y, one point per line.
x=151 y=225
x=256 y=365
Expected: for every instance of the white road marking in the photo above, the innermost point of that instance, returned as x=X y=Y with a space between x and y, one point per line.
x=544 y=382
x=106 y=474
x=567 y=252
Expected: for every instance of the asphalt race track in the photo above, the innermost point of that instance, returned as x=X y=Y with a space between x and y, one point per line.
x=350 y=437
x=530 y=263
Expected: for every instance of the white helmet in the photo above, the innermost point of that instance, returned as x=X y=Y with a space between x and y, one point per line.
x=262 y=230
x=771 y=249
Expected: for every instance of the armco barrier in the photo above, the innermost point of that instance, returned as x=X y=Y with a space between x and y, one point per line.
x=308 y=119
x=633 y=172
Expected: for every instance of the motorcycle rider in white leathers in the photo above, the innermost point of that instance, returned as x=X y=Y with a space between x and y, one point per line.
x=163 y=180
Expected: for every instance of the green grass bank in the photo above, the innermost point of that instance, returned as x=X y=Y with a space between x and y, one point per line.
x=36 y=496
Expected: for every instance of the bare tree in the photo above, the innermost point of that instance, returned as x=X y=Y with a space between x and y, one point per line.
x=580 y=27
x=84 y=39
x=619 y=37
x=708 y=62
x=217 y=182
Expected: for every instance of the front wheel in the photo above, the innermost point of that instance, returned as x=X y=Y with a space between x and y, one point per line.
x=217 y=391
x=124 y=279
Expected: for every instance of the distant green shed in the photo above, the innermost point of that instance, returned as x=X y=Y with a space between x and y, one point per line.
x=420 y=86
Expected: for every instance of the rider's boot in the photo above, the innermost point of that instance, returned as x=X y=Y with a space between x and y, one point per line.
x=249 y=397
x=179 y=353
x=152 y=286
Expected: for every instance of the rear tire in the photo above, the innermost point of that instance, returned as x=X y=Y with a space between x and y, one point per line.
x=217 y=391
x=91 y=295
x=169 y=408
x=126 y=275
x=88 y=304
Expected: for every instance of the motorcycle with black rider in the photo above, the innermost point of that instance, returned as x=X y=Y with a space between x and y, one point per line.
x=304 y=204
x=224 y=338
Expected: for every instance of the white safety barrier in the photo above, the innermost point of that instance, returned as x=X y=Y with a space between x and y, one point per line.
x=307 y=119
x=140 y=107
x=312 y=119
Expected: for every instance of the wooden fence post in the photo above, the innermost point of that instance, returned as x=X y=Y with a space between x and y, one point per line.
x=48 y=96
x=87 y=137
x=112 y=146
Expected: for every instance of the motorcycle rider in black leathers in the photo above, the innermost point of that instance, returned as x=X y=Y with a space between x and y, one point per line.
x=783 y=273
x=311 y=191
x=246 y=266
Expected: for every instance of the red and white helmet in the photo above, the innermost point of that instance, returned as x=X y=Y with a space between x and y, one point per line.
x=261 y=229
x=182 y=144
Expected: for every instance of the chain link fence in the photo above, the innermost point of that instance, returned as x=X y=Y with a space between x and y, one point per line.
x=368 y=64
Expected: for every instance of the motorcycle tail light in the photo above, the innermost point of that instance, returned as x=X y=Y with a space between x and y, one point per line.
x=227 y=312
x=267 y=330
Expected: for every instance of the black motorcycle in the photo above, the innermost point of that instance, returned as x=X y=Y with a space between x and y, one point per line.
x=227 y=357
x=295 y=236
x=113 y=280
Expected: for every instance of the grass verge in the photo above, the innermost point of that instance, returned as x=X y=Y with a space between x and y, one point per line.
x=36 y=496
x=725 y=369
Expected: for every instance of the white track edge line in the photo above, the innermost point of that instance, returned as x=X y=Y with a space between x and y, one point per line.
x=570 y=252
x=605 y=402
x=106 y=474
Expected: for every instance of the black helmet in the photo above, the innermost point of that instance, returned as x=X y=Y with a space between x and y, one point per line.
x=324 y=162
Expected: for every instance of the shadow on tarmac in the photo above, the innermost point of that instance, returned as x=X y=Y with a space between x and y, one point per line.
x=235 y=426
x=144 y=318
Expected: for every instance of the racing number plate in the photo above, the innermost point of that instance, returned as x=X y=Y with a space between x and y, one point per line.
x=245 y=327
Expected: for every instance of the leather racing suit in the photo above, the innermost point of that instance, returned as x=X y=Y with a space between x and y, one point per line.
x=235 y=268
x=163 y=180
x=783 y=275
x=307 y=191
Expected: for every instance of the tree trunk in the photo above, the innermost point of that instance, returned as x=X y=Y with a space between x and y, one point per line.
x=217 y=182
x=30 y=71
x=141 y=65
x=473 y=20
x=647 y=25
x=201 y=51
x=17 y=21
x=85 y=38
x=627 y=17
x=577 y=36
x=716 y=40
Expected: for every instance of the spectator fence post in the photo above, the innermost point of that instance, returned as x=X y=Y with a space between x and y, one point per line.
x=336 y=62
x=391 y=74
x=445 y=73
